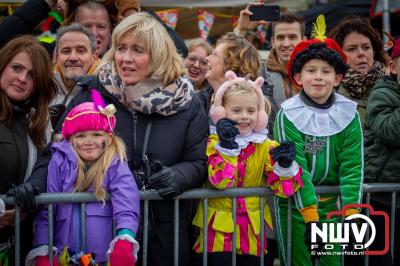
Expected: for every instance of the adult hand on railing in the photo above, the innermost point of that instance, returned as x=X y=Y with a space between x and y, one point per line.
x=122 y=254
x=284 y=154
x=227 y=132
x=24 y=196
x=164 y=182
x=314 y=247
x=44 y=261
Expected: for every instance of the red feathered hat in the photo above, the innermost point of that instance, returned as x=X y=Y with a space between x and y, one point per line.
x=318 y=38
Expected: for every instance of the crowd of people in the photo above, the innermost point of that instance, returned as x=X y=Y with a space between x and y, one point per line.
x=120 y=103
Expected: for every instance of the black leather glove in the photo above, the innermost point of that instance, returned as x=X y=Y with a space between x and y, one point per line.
x=164 y=182
x=56 y=112
x=307 y=238
x=24 y=196
x=284 y=154
x=227 y=133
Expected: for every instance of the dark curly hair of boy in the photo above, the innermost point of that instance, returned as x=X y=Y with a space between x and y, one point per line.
x=322 y=52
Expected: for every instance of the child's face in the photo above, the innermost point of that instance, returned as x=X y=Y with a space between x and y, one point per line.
x=242 y=108
x=318 y=79
x=395 y=68
x=90 y=145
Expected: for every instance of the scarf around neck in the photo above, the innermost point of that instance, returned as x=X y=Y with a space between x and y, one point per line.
x=359 y=84
x=148 y=96
x=274 y=65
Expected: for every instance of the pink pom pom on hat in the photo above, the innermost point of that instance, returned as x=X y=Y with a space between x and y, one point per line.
x=90 y=116
x=217 y=111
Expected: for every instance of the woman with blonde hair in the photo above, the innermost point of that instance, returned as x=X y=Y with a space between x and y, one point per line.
x=163 y=126
x=231 y=53
x=196 y=62
x=26 y=89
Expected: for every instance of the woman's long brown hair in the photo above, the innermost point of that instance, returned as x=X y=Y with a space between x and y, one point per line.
x=45 y=88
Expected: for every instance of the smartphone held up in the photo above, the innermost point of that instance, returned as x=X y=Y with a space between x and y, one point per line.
x=267 y=13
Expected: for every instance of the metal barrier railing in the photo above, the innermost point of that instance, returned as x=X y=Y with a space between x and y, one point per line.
x=204 y=195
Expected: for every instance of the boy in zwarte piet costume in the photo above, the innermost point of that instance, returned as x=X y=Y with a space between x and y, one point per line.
x=326 y=129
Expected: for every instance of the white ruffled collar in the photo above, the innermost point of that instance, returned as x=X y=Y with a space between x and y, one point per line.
x=242 y=141
x=320 y=122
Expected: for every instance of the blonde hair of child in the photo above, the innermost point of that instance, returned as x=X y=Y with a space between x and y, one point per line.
x=245 y=87
x=95 y=175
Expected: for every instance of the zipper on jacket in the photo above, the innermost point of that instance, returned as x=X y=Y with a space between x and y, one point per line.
x=133 y=112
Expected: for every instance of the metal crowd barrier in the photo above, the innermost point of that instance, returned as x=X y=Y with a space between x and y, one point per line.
x=202 y=194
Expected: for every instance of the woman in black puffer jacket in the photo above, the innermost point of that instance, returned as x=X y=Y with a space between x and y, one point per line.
x=143 y=76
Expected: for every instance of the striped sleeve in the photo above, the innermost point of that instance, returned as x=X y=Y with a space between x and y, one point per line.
x=305 y=198
x=221 y=167
x=351 y=160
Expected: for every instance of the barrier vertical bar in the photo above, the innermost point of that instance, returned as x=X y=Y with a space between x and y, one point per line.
x=176 y=232
x=289 y=232
x=51 y=228
x=83 y=226
x=368 y=200
x=205 y=231
x=17 y=236
x=145 y=231
x=341 y=220
x=392 y=223
x=262 y=224
x=234 y=232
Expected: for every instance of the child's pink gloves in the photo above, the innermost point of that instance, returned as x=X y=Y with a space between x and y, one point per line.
x=44 y=261
x=122 y=254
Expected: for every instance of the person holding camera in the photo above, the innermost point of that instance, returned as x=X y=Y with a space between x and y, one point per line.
x=162 y=124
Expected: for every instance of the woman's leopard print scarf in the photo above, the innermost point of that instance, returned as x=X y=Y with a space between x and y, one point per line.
x=148 y=96
x=359 y=84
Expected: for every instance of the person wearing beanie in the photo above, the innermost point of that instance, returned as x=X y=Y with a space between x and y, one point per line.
x=90 y=158
x=326 y=129
x=382 y=151
x=241 y=155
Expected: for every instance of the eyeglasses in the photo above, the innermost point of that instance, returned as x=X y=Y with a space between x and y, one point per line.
x=203 y=63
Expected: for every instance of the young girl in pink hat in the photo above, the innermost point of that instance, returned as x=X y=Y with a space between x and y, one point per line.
x=241 y=155
x=90 y=158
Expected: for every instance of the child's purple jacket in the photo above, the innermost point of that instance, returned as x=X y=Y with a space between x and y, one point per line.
x=123 y=207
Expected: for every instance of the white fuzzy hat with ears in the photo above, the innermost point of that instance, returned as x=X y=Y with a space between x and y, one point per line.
x=218 y=112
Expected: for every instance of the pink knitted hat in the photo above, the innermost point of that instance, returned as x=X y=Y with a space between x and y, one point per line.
x=217 y=111
x=90 y=116
x=396 y=49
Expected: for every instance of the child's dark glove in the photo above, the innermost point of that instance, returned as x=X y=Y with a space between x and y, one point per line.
x=164 y=182
x=307 y=239
x=227 y=133
x=284 y=154
x=24 y=196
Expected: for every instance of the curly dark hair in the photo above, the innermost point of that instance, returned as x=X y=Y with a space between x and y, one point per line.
x=322 y=52
x=363 y=26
